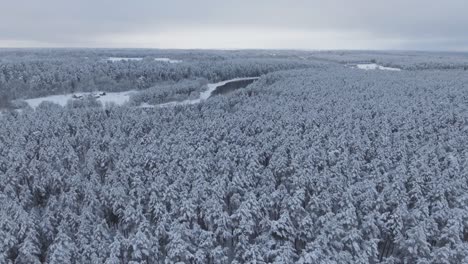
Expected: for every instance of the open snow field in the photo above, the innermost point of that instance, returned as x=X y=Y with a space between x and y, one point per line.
x=116 y=59
x=167 y=60
x=374 y=66
x=118 y=98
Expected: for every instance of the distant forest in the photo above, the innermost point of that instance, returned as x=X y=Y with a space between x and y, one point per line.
x=315 y=162
x=45 y=73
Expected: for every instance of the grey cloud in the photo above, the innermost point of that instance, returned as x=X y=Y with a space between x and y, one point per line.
x=431 y=23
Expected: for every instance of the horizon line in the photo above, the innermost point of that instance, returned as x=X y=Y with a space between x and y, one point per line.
x=230 y=49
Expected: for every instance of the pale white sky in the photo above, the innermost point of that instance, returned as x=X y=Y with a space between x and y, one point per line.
x=268 y=24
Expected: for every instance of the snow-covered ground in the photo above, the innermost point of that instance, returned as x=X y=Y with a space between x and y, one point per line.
x=211 y=87
x=118 y=98
x=167 y=60
x=146 y=105
x=374 y=66
x=114 y=59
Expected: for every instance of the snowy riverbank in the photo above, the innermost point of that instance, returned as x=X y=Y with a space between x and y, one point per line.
x=118 y=98
x=211 y=87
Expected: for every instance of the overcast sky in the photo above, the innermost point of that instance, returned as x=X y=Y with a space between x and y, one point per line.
x=236 y=24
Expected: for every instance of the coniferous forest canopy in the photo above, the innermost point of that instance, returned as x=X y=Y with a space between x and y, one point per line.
x=317 y=161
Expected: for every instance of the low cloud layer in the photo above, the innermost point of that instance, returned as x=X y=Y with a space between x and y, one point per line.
x=300 y=24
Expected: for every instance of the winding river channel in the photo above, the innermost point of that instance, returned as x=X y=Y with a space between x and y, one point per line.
x=120 y=98
x=215 y=89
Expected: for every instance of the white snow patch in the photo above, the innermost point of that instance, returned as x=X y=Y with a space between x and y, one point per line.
x=211 y=87
x=146 y=105
x=118 y=98
x=167 y=60
x=374 y=66
x=114 y=59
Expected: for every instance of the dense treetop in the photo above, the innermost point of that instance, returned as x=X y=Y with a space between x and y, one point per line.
x=325 y=164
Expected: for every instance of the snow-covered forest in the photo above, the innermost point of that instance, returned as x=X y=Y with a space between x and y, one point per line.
x=314 y=162
x=25 y=74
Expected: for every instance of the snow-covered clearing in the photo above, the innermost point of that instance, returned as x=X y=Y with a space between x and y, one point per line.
x=167 y=60
x=374 y=66
x=114 y=59
x=118 y=98
x=211 y=87
x=146 y=105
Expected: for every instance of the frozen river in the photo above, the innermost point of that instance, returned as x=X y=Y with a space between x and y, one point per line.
x=212 y=89
x=120 y=98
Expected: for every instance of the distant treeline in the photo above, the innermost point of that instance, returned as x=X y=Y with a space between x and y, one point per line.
x=407 y=60
x=38 y=73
